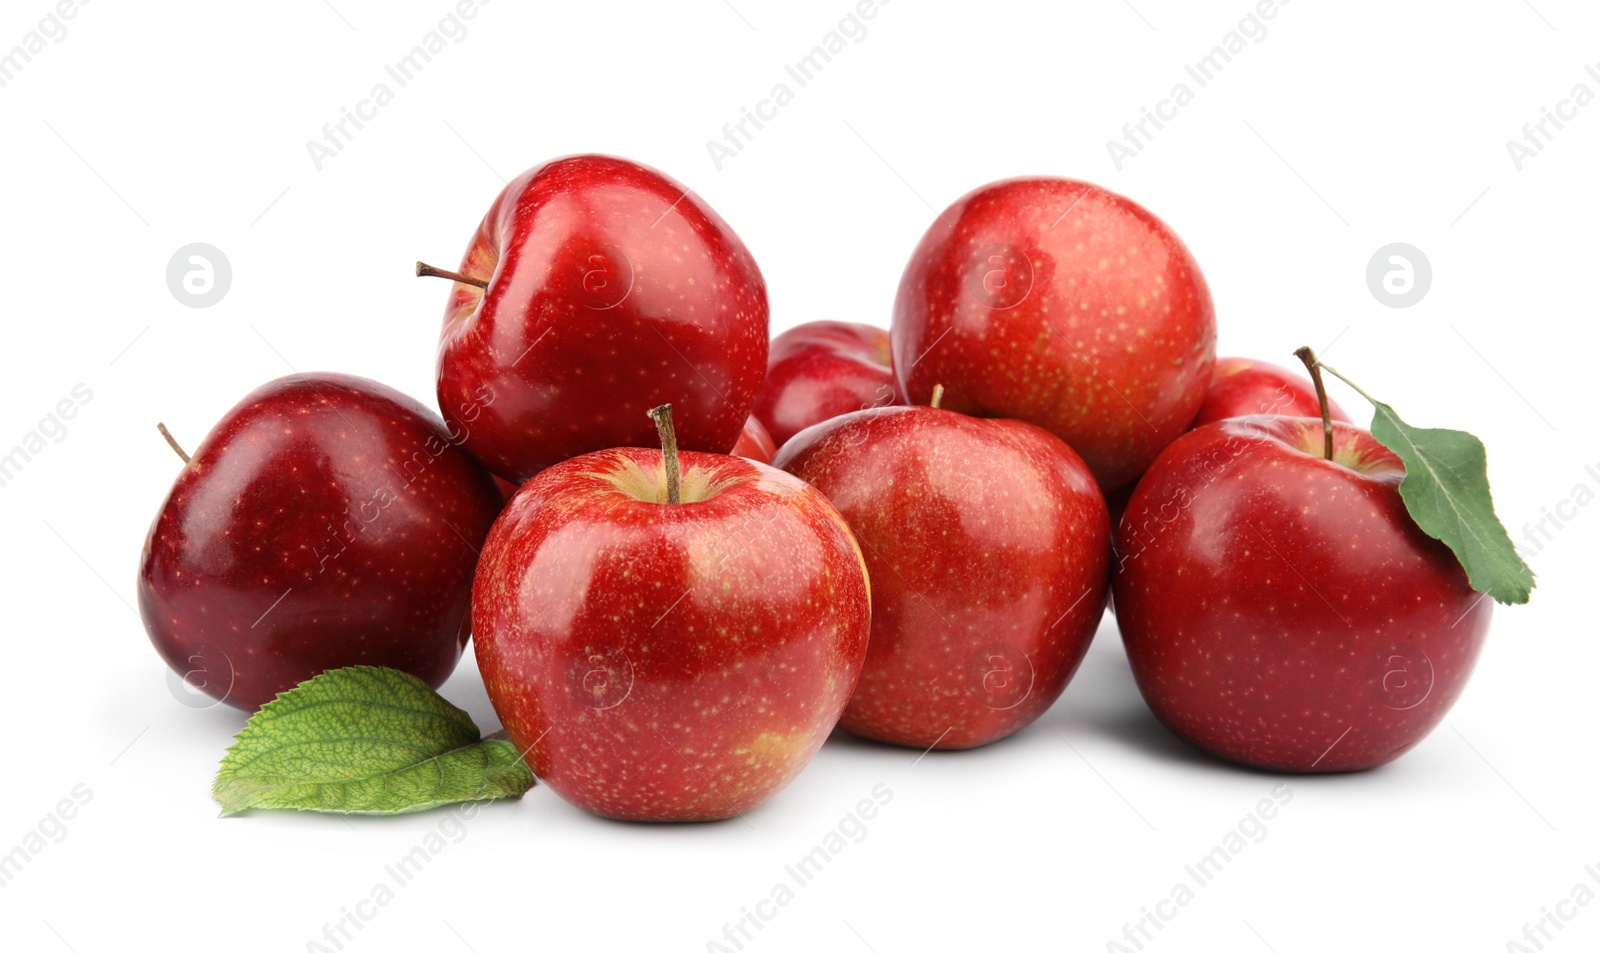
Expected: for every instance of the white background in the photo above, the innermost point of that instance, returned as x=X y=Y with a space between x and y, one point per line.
x=1349 y=126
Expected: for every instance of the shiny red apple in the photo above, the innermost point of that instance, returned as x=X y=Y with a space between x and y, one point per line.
x=669 y=661
x=1057 y=302
x=326 y=520
x=822 y=369
x=754 y=443
x=594 y=289
x=988 y=547
x=506 y=487
x=1241 y=386
x=1283 y=610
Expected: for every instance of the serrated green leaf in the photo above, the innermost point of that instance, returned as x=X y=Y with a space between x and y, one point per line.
x=1446 y=491
x=364 y=740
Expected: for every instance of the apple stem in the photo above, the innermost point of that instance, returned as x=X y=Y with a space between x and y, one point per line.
x=938 y=395
x=1315 y=367
x=669 y=450
x=172 y=442
x=425 y=270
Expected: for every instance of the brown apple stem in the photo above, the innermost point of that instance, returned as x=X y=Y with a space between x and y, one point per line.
x=172 y=442
x=669 y=450
x=938 y=395
x=1315 y=367
x=425 y=270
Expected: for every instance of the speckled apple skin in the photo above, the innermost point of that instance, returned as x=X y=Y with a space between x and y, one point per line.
x=987 y=544
x=326 y=520
x=1059 y=303
x=754 y=443
x=822 y=369
x=1284 y=611
x=664 y=662
x=1243 y=387
x=612 y=289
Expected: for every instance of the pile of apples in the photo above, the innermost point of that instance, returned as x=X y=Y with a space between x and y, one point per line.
x=685 y=555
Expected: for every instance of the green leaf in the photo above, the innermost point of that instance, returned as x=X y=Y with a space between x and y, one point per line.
x=1446 y=490
x=364 y=740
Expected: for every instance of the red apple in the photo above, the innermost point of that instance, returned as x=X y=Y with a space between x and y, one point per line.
x=327 y=520
x=1283 y=610
x=669 y=661
x=1059 y=303
x=506 y=487
x=823 y=369
x=594 y=289
x=987 y=545
x=754 y=443
x=1241 y=386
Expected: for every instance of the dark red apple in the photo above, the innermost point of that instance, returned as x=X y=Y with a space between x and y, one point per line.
x=327 y=520
x=1117 y=504
x=1283 y=610
x=1065 y=305
x=669 y=661
x=754 y=443
x=1241 y=386
x=594 y=289
x=823 y=369
x=988 y=549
